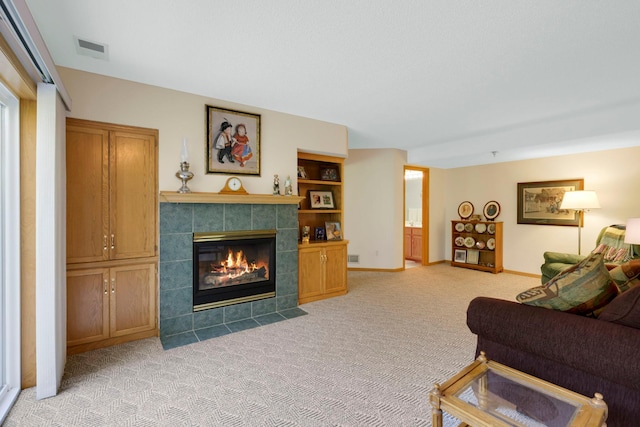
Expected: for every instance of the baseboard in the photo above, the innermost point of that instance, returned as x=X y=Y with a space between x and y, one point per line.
x=381 y=270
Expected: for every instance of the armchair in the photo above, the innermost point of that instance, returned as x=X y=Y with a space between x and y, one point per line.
x=610 y=241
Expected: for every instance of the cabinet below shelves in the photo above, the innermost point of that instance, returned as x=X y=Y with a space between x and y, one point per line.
x=322 y=270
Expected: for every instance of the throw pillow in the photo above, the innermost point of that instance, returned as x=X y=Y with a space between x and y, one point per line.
x=624 y=309
x=626 y=275
x=581 y=289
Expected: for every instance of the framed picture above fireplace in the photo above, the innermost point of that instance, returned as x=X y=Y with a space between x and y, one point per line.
x=233 y=142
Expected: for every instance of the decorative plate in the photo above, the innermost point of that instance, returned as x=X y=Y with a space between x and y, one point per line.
x=481 y=228
x=459 y=227
x=480 y=244
x=491 y=210
x=491 y=229
x=459 y=241
x=468 y=228
x=469 y=242
x=465 y=210
x=491 y=244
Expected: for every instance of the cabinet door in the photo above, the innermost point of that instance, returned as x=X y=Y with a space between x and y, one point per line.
x=335 y=268
x=416 y=244
x=407 y=243
x=133 y=299
x=87 y=194
x=133 y=195
x=87 y=305
x=310 y=273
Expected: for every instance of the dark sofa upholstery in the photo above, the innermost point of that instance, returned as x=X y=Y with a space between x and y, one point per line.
x=582 y=354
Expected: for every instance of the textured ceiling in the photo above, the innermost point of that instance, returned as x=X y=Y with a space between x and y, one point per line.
x=449 y=81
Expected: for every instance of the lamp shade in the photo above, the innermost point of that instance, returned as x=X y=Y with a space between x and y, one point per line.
x=580 y=200
x=632 y=233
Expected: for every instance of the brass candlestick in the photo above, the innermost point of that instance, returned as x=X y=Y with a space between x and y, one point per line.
x=184 y=175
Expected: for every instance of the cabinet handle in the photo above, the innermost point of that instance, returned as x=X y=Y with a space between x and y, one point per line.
x=104 y=243
x=113 y=286
x=106 y=284
x=113 y=242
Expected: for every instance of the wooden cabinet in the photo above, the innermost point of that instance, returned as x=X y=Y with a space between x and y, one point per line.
x=413 y=243
x=111 y=193
x=112 y=302
x=112 y=236
x=322 y=263
x=477 y=245
x=322 y=271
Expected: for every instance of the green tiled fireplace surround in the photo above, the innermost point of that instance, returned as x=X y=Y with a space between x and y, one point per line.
x=179 y=325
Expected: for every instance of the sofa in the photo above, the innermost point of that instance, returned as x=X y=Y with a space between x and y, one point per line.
x=610 y=241
x=577 y=352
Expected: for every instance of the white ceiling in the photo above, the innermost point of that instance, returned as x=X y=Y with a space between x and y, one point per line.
x=450 y=81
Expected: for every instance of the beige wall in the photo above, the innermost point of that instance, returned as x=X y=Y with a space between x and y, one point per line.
x=178 y=115
x=374 y=207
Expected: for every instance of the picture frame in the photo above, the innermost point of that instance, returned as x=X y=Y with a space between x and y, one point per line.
x=233 y=142
x=333 y=230
x=473 y=256
x=321 y=199
x=460 y=255
x=329 y=174
x=302 y=173
x=320 y=233
x=491 y=210
x=539 y=202
x=465 y=209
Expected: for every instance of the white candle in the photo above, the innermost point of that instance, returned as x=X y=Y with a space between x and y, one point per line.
x=184 y=153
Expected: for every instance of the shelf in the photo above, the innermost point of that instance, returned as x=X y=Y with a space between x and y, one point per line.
x=248 y=199
x=318 y=182
x=318 y=211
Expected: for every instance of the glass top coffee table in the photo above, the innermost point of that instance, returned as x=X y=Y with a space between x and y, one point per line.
x=487 y=393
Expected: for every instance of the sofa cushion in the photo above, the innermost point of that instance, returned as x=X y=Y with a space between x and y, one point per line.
x=626 y=275
x=624 y=309
x=580 y=289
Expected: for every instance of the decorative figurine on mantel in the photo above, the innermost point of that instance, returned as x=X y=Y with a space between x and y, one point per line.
x=276 y=185
x=288 y=188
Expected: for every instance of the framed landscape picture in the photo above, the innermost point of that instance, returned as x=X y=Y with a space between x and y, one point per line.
x=233 y=142
x=539 y=202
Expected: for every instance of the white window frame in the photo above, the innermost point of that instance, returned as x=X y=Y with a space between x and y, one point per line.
x=10 y=250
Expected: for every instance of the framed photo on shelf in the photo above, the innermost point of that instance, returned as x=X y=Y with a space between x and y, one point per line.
x=539 y=202
x=321 y=199
x=460 y=255
x=473 y=256
x=329 y=174
x=320 y=233
x=233 y=142
x=302 y=173
x=333 y=230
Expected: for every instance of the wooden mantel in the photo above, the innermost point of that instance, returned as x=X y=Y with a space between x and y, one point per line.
x=247 y=199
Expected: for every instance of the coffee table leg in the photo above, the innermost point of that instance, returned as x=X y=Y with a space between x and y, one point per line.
x=436 y=412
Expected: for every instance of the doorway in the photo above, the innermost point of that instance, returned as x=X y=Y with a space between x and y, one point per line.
x=416 y=216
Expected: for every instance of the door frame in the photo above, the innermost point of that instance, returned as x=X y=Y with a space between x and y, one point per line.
x=425 y=211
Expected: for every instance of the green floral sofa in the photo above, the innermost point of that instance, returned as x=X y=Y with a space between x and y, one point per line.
x=610 y=243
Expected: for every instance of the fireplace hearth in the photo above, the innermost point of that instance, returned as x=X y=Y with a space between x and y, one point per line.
x=233 y=267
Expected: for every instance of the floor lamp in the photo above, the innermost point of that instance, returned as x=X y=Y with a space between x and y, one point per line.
x=632 y=233
x=580 y=201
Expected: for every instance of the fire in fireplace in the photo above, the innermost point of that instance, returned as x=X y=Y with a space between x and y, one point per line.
x=233 y=267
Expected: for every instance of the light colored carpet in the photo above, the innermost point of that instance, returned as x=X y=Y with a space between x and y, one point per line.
x=367 y=358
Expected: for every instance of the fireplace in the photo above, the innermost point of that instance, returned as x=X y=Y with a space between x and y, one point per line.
x=233 y=267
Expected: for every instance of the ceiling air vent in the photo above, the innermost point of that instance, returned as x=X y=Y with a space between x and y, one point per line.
x=92 y=49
